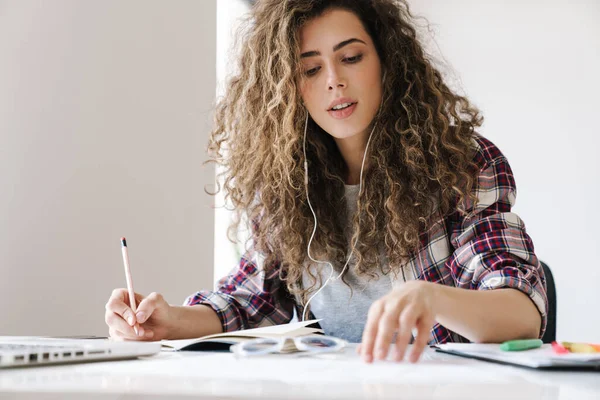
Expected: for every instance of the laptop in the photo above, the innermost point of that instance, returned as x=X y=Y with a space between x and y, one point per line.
x=23 y=351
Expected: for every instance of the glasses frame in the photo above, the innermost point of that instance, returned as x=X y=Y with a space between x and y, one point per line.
x=277 y=345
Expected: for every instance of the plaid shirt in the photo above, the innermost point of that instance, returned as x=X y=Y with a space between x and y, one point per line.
x=487 y=249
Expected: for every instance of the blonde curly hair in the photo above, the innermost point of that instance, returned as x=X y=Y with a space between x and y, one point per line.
x=420 y=156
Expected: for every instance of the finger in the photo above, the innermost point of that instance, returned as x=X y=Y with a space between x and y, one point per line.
x=118 y=304
x=388 y=324
x=145 y=336
x=370 y=332
x=147 y=307
x=113 y=334
x=138 y=299
x=408 y=320
x=130 y=335
x=423 y=327
x=116 y=322
x=118 y=335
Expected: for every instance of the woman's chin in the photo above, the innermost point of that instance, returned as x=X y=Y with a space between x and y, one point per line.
x=342 y=134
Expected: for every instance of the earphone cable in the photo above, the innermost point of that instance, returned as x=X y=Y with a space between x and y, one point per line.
x=331 y=278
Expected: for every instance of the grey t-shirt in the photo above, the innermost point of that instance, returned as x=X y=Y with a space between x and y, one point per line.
x=343 y=315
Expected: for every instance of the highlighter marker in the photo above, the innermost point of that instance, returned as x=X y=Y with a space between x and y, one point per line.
x=580 y=347
x=520 y=345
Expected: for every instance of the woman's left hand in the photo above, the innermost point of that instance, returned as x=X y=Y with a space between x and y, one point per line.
x=411 y=306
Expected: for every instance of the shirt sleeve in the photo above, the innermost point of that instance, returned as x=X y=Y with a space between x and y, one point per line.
x=248 y=297
x=492 y=248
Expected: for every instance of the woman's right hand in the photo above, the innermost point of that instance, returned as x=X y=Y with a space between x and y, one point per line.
x=153 y=314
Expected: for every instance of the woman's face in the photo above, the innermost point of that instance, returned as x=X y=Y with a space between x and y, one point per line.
x=341 y=68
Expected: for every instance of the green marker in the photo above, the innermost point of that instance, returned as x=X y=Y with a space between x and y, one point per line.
x=520 y=345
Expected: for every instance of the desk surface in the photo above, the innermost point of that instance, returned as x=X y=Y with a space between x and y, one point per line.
x=336 y=376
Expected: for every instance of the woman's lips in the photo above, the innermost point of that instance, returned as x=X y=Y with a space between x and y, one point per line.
x=344 y=113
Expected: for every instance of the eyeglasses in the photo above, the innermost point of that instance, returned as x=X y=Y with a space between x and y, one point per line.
x=312 y=344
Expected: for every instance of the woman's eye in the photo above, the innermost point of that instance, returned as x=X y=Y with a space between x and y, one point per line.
x=349 y=60
x=354 y=59
x=311 y=71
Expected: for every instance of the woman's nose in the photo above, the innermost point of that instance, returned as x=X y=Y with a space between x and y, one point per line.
x=335 y=80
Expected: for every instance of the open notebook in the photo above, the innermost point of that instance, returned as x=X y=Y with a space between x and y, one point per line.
x=223 y=341
x=542 y=358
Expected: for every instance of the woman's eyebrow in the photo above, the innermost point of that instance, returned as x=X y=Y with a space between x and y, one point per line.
x=335 y=48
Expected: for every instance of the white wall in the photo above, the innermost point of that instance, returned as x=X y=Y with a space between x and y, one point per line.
x=105 y=108
x=532 y=67
x=229 y=14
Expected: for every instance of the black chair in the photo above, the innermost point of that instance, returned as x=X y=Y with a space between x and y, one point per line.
x=550 y=334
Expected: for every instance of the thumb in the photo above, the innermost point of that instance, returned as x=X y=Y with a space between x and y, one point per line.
x=148 y=306
x=144 y=310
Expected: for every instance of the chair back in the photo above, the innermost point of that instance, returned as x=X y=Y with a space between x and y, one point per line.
x=550 y=334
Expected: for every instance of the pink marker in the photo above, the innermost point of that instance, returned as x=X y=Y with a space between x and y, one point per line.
x=129 y=281
x=559 y=348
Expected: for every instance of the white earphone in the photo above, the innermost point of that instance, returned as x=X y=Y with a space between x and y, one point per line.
x=331 y=278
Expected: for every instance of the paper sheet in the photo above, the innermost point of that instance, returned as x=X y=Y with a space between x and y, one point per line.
x=292 y=329
x=535 y=358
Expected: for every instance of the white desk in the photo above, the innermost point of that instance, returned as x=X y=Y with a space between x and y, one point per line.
x=339 y=376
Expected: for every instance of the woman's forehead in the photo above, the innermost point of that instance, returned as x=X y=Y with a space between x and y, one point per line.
x=330 y=28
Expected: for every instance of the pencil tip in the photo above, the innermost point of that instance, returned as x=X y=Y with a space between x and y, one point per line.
x=123 y=241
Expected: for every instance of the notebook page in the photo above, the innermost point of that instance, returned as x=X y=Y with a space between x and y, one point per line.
x=274 y=331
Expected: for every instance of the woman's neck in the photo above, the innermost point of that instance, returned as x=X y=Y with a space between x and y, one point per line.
x=352 y=150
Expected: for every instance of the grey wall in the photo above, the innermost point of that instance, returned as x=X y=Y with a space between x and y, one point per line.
x=105 y=108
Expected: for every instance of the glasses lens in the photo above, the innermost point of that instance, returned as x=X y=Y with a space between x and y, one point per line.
x=259 y=346
x=319 y=342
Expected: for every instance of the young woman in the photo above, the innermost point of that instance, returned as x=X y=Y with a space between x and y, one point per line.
x=374 y=204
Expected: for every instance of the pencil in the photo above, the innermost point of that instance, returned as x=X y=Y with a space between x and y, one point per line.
x=129 y=280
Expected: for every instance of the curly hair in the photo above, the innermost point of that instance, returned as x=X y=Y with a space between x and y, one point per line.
x=420 y=158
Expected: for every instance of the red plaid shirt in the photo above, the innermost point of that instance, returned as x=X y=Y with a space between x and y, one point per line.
x=487 y=250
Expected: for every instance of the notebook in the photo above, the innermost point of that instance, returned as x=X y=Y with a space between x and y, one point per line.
x=223 y=341
x=29 y=351
x=540 y=358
